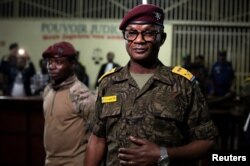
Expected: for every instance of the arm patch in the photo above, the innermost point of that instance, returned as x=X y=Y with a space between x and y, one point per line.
x=183 y=72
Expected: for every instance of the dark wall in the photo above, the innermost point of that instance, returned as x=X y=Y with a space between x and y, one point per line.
x=21 y=131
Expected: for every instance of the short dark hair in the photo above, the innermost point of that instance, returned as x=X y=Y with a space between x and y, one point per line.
x=13 y=45
x=73 y=58
x=199 y=57
x=222 y=53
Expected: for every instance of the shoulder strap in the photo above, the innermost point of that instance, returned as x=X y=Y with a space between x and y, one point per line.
x=107 y=73
x=183 y=72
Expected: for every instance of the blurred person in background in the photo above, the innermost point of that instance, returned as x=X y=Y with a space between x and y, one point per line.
x=40 y=79
x=107 y=66
x=11 y=58
x=19 y=70
x=202 y=74
x=80 y=71
x=186 y=61
x=6 y=62
x=222 y=76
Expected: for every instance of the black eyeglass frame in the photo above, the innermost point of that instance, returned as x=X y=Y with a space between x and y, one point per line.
x=142 y=34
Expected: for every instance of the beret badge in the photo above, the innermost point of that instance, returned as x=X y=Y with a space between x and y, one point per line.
x=157 y=16
x=60 y=50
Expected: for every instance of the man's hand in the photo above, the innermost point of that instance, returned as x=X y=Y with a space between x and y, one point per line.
x=143 y=154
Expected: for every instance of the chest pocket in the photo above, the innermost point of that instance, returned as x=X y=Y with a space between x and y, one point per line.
x=111 y=113
x=111 y=110
x=169 y=123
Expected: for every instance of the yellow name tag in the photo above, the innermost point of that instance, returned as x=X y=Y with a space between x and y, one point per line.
x=109 y=99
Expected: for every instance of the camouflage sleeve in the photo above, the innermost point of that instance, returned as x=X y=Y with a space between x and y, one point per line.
x=83 y=101
x=99 y=124
x=200 y=123
x=46 y=91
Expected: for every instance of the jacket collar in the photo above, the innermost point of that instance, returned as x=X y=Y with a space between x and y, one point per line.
x=65 y=84
x=162 y=74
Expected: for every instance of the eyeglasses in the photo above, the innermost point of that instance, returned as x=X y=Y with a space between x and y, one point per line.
x=147 y=36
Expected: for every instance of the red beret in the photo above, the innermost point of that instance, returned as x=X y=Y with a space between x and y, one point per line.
x=60 y=49
x=143 y=14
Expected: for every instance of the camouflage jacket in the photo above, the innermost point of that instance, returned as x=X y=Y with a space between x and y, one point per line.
x=169 y=110
x=68 y=109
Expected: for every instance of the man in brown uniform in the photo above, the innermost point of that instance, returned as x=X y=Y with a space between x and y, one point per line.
x=68 y=105
x=147 y=113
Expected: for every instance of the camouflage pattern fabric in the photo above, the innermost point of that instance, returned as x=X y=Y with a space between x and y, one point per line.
x=68 y=109
x=169 y=110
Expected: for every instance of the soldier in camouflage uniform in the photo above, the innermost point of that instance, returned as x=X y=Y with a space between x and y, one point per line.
x=68 y=105
x=147 y=113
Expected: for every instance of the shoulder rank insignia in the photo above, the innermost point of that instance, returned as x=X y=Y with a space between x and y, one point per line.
x=107 y=73
x=183 y=72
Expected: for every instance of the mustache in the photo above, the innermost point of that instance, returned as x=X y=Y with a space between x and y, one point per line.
x=139 y=46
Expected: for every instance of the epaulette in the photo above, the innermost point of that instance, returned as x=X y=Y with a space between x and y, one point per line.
x=183 y=72
x=107 y=73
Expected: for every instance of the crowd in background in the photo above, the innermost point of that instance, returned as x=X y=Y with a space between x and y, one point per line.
x=216 y=80
x=217 y=83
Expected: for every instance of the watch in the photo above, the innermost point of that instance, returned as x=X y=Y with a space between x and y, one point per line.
x=164 y=159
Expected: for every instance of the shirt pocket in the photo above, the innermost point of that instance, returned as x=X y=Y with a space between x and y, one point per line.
x=168 y=124
x=111 y=110
x=111 y=115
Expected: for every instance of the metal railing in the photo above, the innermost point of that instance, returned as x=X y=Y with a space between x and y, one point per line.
x=182 y=10
x=196 y=40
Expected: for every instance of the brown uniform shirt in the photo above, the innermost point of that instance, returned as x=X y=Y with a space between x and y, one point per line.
x=169 y=110
x=67 y=113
